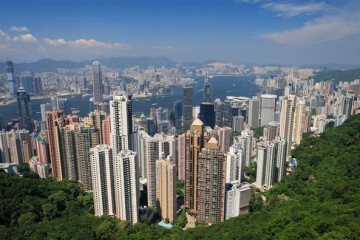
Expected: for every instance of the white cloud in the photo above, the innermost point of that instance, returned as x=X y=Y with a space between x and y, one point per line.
x=4 y=36
x=319 y=31
x=19 y=29
x=25 y=38
x=86 y=43
x=293 y=9
x=55 y=42
x=164 y=48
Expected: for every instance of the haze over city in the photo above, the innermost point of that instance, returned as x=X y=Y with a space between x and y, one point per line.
x=241 y=31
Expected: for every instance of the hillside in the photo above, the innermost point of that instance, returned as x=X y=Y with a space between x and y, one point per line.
x=338 y=75
x=50 y=65
x=320 y=200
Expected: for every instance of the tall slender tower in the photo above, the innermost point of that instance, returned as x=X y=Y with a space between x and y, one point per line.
x=299 y=121
x=24 y=107
x=267 y=108
x=207 y=90
x=98 y=86
x=287 y=120
x=10 y=75
x=166 y=188
x=254 y=110
x=103 y=180
x=126 y=176
x=211 y=183
x=187 y=107
x=121 y=123
x=194 y=142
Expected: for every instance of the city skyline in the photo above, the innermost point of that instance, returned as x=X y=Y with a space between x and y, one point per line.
x=241 y=31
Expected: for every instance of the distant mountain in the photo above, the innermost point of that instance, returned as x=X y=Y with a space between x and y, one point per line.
x=330 y=66
x=337 y=75
x=48 y=65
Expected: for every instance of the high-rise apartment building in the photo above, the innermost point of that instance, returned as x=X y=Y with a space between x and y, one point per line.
x=166 y=188
x=299 y=120
x=237 y=199
x=121 y=123
x=126 y=185
x=194 y=142
x=187 y=107
x=211 y=183
x=287 y=112
x=181 y=157
x=271 y=131
x=102 y=170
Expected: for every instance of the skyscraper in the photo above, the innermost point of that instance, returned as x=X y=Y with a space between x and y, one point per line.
x=267 y=108
x=287 y=112
x=10 y=75
x=121 y=123
x=211 y=183
x=271 y=131
x=187 y=107
x=237 y=198
x=98 y=85
x=207 y=90
x=24 y=108
x=102 y=169
x=254 y=110
x=166 y=188
x=126 y=184
x=194 y=142
x=299 y=121
x=207 y=114
x=181 y=157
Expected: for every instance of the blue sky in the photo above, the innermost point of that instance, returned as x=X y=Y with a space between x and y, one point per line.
x=242 y=31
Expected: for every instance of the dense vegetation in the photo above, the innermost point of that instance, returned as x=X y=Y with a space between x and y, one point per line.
x=320 y=200
x=338 y=75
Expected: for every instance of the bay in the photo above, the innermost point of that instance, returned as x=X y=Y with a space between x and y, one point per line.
x=222 y=86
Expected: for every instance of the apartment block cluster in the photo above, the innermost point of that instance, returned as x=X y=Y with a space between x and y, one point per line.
x=119 y=157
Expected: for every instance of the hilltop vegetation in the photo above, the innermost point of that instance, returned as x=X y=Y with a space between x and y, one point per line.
x=320 y=200
x=338 y=75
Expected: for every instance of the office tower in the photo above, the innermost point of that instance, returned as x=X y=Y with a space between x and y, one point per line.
x=224 y=137
x=219 y=112
x=271 y=131
x=42 y=148
x=151 y=127
x=106 y=128
x=4 y=148
x=267 y=108
x=166 y=188
x=181 y=157
x=187 y=107
x=126 y=185
x=177 y=109
x=121 y=123
x=234 y=164
x=254 y=111
x=62 y=105
x=238 y=123
x=86 y=137
x=38 y=85
x=227 y=114
x=299 y=119
x=207 y=114
x=95 y=119
x=27 y=82
x=164 y=127
x=195 y=112
x=24 y=108
x=237 y=199
x=10 y=75
x=194 y=142
x=207 y=90
x=102 y=170
x=46 y=107
x=54 y=122
x=211 y=183
x=97 y=83
x=287 y=120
